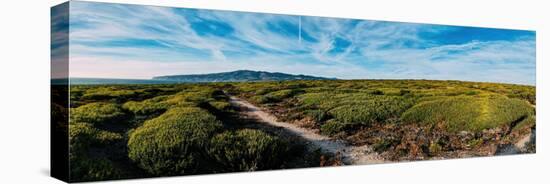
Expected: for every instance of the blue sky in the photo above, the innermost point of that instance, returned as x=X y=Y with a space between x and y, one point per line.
x=129 y=41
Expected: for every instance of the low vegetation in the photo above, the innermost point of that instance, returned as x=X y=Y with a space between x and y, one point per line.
x=98 y=113
x=405 y=119
x=182 y=130
x=174 y=143
x=126 y=131
x=467 y=113
x=247 y=150
x=345 y=106
x=87 y=165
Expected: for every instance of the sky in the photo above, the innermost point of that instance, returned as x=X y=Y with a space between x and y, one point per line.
x=140 y=42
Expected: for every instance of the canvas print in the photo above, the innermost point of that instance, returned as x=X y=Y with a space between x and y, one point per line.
x=148 y=91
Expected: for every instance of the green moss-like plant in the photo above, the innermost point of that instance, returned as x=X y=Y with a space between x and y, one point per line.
x=247 y=150
x=174 y=143
x=332 y=127
x=221 y=105
x=283 y=94
x=377 y=109
x=83 y=138
x=84 y=135
x=97 y=113
x=147 y=107
x=84 y=168
x=317 y=115
x=469 y=113
x=261 y=99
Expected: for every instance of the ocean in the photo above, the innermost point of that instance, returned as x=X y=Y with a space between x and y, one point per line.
x=101 y=81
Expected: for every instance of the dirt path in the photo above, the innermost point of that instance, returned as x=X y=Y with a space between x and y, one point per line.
x=351 y=155
x=523 y=141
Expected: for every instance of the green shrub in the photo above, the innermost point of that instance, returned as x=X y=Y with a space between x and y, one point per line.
x=276 y=96
x=379 y=109
x=472 y=92
x=162 y=103
x=263 y=91
x=317 y=115
x=403 y=92
x=261 y=99
x=83 y=135
x=97 y=113
x=528 y=122
x=282 y=94
x=174 y=143
x=469 y=113
x=376 y=92
x=147 y=107
x=84 y=168
x=83 y=138
x=247 y=150
x=191 y=97
x=333 y=127
x=314 y=99
x=218 y=95
x=106 y=93
x=221 y=105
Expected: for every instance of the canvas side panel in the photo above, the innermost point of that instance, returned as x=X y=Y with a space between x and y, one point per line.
x=59 y=88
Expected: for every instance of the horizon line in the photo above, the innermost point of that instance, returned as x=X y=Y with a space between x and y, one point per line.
x=341 y=79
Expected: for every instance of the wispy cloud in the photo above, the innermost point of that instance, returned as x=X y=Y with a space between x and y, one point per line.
x=128 y=41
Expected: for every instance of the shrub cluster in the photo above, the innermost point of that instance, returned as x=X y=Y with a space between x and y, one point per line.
x=276 y=96
x=221 y=105
x=468 y=113
x=147 y=107
x=247 y=150
x=351 y=109
x=184 y=140
x=82 y=138
x=85 y=135
x=333 y=127
x=180 y=134
x=97 y=113
x=378 y=109
x=173 y=143
x=159 y=104
x=106 y=93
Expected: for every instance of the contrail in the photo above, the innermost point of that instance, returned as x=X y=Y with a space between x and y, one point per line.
x=300 y=29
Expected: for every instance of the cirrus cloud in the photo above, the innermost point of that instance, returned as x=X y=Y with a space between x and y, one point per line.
x=161 y=40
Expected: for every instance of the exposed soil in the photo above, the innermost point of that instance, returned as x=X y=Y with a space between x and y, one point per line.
x=349 y=154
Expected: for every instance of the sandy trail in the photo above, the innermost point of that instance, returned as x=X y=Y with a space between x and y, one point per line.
x=351 y=155
x=527 y=138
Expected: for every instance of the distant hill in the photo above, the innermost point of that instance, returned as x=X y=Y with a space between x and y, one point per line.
x=238 y=76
